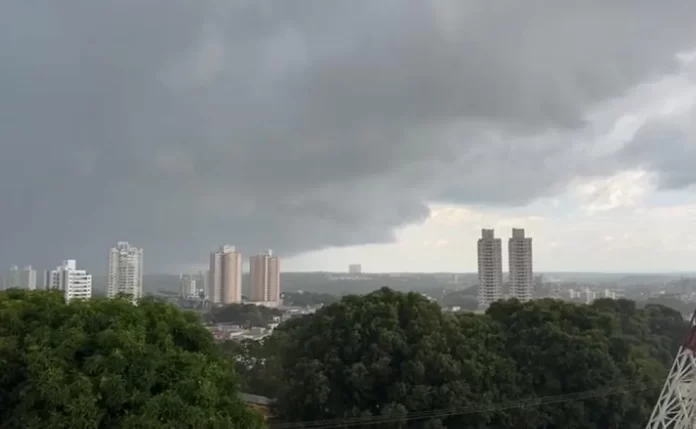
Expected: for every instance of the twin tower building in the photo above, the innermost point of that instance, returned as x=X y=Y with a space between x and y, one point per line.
x=225 y=277
x=490 y=267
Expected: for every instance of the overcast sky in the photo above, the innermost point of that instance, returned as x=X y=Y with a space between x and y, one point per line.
x=383 y=132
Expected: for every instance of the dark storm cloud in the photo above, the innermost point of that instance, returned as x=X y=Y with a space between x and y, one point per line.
x=295 y=125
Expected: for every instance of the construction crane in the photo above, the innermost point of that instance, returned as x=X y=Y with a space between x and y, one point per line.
x=676 y=407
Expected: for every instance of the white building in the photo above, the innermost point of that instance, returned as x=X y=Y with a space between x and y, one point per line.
x=75 y=284
x=590 y=295
x=608 y=293
x=125 y=275
x=46 y=281
x=27 y=278
x=355 y=269
x=264 y=276
x=12 y=278
x=188 y=286
x=490 y=268
x=226 y=276
x=520 y=263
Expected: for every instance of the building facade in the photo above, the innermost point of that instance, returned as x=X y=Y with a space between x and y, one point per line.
x=12 y=278
x=355 y=269
x=520 y=263
x=264 y=276
x=490 y=269
x=188 y=286
x=75 y=284
x=125 y=274
x=27 y=278
x=225 y=278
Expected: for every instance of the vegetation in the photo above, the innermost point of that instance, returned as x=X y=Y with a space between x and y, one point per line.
x=248 y=315
x=110 y=364
x=389 y=358
x=463 y=299
x=398 y=357
x=308 y=299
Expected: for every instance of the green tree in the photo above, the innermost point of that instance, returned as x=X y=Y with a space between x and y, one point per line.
x=110 y=364
x=249 y=315
x=393 y=354
x=386 y=354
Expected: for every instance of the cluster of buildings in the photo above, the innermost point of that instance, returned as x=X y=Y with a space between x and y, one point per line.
x=221 y=284
x=125 y=276
x=490 y=268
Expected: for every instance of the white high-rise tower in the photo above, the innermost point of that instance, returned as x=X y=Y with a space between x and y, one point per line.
x=125 y=274
x=75 y=284
x=520 y=262
x=490 y=268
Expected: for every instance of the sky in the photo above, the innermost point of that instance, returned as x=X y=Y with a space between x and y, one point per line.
x=381 y=132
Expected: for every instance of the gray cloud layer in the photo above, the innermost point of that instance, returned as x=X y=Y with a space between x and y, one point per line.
x=296 y=125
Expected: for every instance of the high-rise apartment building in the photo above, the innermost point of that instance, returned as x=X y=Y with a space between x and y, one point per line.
x=125 y=275
x=225 y=276
x=490 y=268
x=188 y=286
x=520 y=262
x=75 y=284
x=12 y=278
x=46 y=281
x=264 y=275
x=27 y=278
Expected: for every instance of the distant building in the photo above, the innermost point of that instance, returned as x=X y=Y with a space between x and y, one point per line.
x=490 y=268
x=520 y=263
x=355 y=269
x=75 y=284
x=264 y=275
x=188 y=286
x=608 y=293
x=590 y=295
x=12 y=278
x=226 y=276
x=27 y=278
x=46 y=281
x=203 y=282
x=125 y=275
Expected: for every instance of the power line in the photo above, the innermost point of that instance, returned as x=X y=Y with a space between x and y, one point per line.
x=472 y=409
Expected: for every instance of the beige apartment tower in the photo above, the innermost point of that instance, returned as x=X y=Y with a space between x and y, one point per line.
x=264 y=274
x=225 y=281
x=520 y=261
x=490 y=269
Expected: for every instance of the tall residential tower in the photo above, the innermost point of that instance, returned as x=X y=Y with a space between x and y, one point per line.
x=125 y=274
x=490 y=268
x=225 y=277
x=520 y=261
x=264 y=274
x=75 y=284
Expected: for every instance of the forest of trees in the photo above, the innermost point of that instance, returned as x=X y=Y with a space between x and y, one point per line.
x=248 y=315
x=308 y=299
x=102 y=364
x=386 y=359
x=396 y=359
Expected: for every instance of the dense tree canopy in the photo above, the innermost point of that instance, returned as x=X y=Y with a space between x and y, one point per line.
x=398 y=355
x=308 y=299
x=109 y=364
x=248 y=315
